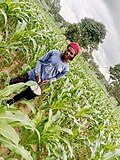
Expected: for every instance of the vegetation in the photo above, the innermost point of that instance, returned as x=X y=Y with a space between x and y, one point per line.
x=73 y=31
x=53 y=7
x=114 y=87
x=73 y=119
x=94 y=66
x=88 y=33
x=115 y=73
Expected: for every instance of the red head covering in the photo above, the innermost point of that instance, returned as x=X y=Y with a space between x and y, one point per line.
x=75 y=46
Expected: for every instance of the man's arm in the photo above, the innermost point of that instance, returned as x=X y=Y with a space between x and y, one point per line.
x=38 y=65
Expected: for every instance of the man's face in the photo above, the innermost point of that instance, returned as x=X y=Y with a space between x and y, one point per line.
x=69 y=53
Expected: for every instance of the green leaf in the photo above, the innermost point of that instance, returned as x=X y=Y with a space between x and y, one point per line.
x=17 y=148
x=15 y=87
x=57 y=128
x=69 y=146
x=17 y=116
x=34 y=43
x=12 y=159
x=38 y=133
x=5 y=16
x=8 y=2
x=20 y=26
x=8 y=132
x=50 y=114
x=112 y=154
x=2 y=1
x=1 y=38
x=83 y=111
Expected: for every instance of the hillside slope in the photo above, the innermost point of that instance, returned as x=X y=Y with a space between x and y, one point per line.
x=73 y=119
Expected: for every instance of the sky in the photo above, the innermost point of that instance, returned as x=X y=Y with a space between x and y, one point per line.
x=105 y=11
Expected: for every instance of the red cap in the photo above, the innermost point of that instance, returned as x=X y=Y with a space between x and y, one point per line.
x=75 y=46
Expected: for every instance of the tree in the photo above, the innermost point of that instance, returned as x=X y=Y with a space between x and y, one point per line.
x=114 y=87
x=73 y=32
x=89 y=33
x=114 y=90
x=54 y=6
x=92 y=33
x=115 y=73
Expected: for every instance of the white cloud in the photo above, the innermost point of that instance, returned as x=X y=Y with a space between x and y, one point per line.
x=67 y=13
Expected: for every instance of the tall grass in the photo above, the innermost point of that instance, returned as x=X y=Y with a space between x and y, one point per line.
x=74 y=118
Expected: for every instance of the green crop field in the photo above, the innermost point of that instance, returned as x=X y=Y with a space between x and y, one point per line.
x=74 y=119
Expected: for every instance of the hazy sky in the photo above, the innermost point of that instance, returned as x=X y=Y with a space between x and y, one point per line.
x=105 y=11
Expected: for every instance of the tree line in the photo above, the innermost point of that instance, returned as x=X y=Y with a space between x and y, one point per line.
x=114 y=86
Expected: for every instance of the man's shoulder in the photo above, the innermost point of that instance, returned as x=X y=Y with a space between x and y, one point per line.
x=54 y=51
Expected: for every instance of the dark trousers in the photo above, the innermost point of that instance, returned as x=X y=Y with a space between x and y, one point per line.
x=27 y=93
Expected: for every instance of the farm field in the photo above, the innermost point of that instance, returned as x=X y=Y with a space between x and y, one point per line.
x=74 y=119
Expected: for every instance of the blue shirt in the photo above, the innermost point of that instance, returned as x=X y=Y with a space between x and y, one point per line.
x=50 y=66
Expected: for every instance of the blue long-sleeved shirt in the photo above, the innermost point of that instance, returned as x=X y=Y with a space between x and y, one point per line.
x=50 y=66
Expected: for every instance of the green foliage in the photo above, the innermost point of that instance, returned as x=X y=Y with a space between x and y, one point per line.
x=89 y=33
x=92 y=33
x=114 y=90
x=114 y=87
x=11 y=117
x=54 y=6
x=73 y=33
x=25 y=31
x=115 y=73
x=94 y=67
x=74 y=118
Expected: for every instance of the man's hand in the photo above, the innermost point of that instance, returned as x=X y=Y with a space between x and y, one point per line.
x=38 y=79
x=45 y=82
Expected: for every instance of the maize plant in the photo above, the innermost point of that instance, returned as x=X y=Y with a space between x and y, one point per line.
x=74 y=118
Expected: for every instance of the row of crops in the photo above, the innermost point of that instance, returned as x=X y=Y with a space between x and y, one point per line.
x=74 y=119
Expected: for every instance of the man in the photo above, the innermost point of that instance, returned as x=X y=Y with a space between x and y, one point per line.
x=50 y=67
